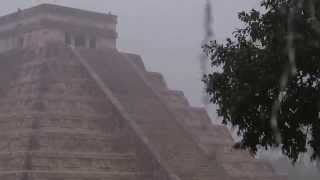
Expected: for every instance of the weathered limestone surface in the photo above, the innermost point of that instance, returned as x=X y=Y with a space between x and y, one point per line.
x=37 y=26
x=183 y=136
x=215 y=140
x=56 y=123
x=91 y=112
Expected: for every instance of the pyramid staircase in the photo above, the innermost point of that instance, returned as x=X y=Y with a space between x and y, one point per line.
x=215 y=140
x=56 y=124
x=193 y=150
x=88 y=114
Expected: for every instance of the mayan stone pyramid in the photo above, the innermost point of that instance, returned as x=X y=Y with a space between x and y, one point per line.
x=72 y=107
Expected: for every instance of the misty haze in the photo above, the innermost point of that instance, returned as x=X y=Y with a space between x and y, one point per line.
x=161 y=90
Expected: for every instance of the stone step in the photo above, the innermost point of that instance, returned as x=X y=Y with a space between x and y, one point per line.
x=102 y=123
x=274 y=177
x=126 y=162
x=254 y=170
x=211 y=142
x=207 y=171
x=156 y=80
x=54 y=105
x=36 y=63
x=53 y=115
x=51 y=98
x=214 y=136
x=175 y=98
x=69 y=82
x=32 y=72
x=121 y=165
x=73 y=175
x=105 y=125
x=192 y=117
x=60 y=141
x=52 y=131
x=14 y=143
x=137 y=60
x=212 y=132
x=67 y=154
x=235 y=157
x=175 y=146
x=226 y=153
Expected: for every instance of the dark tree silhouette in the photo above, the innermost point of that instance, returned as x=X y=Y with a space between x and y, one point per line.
x=266 y=80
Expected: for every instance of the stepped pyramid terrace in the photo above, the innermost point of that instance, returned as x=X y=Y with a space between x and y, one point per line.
x=73 y=107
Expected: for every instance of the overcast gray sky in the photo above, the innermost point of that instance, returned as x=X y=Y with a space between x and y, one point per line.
x=166 y=33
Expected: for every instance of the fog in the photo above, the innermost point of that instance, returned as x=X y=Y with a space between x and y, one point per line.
x=166 y=33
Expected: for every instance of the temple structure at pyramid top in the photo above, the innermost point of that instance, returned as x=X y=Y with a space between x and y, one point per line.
x=73 y=107
x=47 y=23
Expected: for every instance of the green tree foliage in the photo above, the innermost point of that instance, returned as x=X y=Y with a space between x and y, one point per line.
x=249 y=70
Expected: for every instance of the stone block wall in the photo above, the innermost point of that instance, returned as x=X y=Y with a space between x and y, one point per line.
x=33 y=28
x=215 y=140
x=56 y=124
